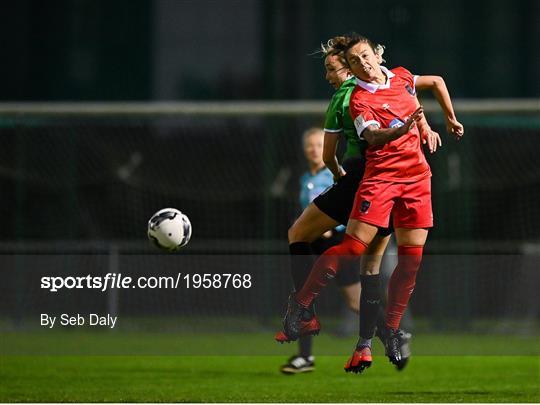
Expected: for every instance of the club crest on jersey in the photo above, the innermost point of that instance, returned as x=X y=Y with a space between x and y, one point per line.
x=396 y=123
x=409 y=89
x=364 y=206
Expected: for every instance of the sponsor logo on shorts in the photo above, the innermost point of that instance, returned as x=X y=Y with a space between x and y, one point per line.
x=364 y=206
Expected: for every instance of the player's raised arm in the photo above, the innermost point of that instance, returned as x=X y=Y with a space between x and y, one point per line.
x=427 y=135
x=437 y=85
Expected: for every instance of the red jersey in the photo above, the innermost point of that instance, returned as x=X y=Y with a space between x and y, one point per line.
x=388 y=106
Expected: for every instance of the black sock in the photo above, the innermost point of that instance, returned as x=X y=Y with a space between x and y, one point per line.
x=305 y=343
x=370 y=301
x=301 y=262
x=381 y=325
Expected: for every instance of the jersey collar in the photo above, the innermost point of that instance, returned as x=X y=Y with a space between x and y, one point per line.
x=350 y=79
x=373 y=87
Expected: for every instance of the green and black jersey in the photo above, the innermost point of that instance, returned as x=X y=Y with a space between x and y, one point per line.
x=338 y=119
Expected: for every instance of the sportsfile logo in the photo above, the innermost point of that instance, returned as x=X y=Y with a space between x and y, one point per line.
x=119 y=281
x=107 y=282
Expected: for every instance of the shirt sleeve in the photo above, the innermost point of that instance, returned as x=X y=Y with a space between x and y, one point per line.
x=333 y=121
x=363 y=117
x=414 y=83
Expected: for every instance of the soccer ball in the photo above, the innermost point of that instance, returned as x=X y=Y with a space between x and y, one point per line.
x=169 y=229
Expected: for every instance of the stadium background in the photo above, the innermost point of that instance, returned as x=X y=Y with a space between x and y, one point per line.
x=78 y=187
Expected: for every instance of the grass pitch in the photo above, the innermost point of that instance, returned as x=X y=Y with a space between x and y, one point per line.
x=255 y=377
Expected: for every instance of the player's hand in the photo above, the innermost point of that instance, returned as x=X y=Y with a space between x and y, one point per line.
x=432 y=139
x=411 y=121
x=454 y=127
x=341 y=173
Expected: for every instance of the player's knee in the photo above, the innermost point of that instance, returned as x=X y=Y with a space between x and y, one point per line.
x=296 y=234
x=350 y=246
x=410 y=257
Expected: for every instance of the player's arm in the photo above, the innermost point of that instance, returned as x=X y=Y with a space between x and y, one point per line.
x=331 y=140
x=437 y=85
x=428 y=136
x=379 y=136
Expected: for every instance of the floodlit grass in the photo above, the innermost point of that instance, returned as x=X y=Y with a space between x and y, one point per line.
x=235 y=377
x=256 y=379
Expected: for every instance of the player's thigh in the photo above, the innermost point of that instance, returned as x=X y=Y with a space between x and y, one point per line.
x=371 y=209
x=372 y=258
x=310 y=225
x=336 y=201
x=412 y=209
x=374 y=201
x=411 y=237
x=361 y=230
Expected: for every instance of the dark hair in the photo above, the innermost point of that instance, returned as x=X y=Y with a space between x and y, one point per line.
x=340 y=45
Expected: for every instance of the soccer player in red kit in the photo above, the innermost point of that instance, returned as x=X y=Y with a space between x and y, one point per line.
x=396 y=181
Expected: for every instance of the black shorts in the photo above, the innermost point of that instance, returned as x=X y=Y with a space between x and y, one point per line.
x=337 y=200
x=345 y=276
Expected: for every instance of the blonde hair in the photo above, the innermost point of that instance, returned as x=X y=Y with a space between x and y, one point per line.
x=310 y=132
x=334 y=47
x=379 y=50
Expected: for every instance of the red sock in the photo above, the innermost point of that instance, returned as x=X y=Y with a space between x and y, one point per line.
x=327 y=265
x=401 y=284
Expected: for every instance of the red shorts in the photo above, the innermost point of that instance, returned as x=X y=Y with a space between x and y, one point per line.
x=409 y=203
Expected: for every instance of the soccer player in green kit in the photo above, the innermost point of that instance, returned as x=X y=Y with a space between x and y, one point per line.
x=333 y=206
